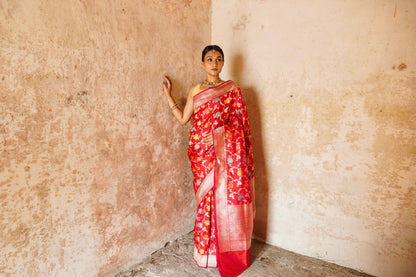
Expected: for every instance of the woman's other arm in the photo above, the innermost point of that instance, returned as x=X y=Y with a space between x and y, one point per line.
x=182 y=117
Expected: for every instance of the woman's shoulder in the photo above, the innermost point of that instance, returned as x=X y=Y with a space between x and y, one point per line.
x=196 y=86
x=228 y=82
x=231 y=84
x=195 y=89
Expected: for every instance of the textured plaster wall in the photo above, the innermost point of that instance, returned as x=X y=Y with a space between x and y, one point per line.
x=331 y=92
x=93 y=168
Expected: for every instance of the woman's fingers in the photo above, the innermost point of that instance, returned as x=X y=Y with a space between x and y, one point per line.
x=208 y=138
x=167 y=85
x=167 y=81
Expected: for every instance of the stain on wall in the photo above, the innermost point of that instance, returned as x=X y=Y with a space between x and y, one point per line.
x=331 y=94
x=93 y=168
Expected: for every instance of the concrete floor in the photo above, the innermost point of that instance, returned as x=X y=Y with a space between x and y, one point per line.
x=175 y=260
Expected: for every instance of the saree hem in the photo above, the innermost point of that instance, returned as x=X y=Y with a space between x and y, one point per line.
x=205 y=261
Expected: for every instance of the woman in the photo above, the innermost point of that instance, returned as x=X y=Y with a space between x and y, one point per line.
x=221 y=158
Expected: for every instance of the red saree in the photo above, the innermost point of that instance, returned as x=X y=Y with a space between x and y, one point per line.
x=223 y=179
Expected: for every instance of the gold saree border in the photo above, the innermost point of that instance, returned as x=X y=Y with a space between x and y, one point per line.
x=234 y=222
x=205 y=187
x=214 y=92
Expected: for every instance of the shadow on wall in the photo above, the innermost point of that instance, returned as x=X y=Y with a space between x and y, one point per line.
x=260 y=169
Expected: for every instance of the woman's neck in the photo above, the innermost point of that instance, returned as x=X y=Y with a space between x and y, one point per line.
x=212 y=84
x=212 y=79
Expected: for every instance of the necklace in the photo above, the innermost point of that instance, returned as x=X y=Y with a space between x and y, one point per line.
x=211 y=84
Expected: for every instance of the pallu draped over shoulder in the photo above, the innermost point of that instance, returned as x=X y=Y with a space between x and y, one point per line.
x=223 y=179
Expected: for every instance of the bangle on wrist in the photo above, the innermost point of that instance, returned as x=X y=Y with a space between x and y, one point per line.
x=174 y=107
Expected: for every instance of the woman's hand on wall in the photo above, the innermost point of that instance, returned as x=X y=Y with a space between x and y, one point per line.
x=182 y=117
x=167 y=86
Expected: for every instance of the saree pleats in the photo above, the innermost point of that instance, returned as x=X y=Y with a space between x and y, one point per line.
x=223 y=180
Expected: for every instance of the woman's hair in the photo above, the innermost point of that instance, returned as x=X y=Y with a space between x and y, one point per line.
x=211 y=47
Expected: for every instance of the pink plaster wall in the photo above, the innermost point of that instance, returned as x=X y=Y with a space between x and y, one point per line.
x=93 y=168
x=331 y=94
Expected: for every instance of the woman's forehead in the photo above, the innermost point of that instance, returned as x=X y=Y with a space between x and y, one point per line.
x=213 y=52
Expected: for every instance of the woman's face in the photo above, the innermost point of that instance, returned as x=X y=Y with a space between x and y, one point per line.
x=213 y=63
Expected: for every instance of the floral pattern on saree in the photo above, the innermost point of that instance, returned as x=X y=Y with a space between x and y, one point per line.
x=223 y=107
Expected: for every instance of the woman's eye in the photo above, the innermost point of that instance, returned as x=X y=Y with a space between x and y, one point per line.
x=219 y=60
x=209 y=59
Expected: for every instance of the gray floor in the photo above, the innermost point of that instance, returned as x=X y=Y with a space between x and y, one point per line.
x=175 y=259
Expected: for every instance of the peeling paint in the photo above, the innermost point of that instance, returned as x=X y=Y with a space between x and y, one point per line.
x=86 y=146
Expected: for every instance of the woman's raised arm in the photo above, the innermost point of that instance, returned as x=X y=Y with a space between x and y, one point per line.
x=182 y=117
